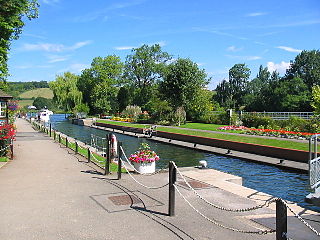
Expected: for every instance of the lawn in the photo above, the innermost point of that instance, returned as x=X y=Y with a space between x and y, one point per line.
x=38 y=92
x=3 y=159
x=243 y=138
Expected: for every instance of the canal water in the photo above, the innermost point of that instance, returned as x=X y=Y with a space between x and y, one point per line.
x=281 y=183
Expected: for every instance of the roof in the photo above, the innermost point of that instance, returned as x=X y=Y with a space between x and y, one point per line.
x=4 y=95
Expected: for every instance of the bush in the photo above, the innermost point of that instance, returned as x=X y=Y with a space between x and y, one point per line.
x=255 y=121
x=132 y=111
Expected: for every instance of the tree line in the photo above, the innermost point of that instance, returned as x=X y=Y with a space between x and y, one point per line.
x=153 y=80
x=270 y=92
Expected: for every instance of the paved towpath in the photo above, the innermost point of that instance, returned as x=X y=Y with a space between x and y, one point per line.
x=49 y=193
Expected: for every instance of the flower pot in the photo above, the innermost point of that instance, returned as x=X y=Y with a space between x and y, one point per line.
x=145 y=167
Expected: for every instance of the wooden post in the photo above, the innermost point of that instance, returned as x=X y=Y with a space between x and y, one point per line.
x=50 y=130
x=67 y=145
x=172 y=180
x=54 y=134
x=107 y=166
x=119 y=160
x=11 y=149
x=59 y=138
x=281 y=220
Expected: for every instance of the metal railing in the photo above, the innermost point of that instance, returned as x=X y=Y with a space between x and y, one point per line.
x=314 y=162
x=281 y=115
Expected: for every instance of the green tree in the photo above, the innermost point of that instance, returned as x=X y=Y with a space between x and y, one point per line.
x=253 y=97
x=238 y=80
x=11 y=24
x=307 y=67
x=99 y=83
x=144 y=68
x=291 y=95
x=41 y=102
x=124 y=98
x=182 y=82
x=65 y=92
x=316 y=99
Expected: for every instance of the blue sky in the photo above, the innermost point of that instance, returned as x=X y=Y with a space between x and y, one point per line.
x=215 y=34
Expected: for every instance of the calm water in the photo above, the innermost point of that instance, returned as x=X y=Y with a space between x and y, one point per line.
x=288 y=185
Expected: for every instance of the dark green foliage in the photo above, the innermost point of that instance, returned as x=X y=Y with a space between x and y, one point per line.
x=307 y=67
x=182 y=82
x=255 y=121
x=41 y=102
x=11 y=24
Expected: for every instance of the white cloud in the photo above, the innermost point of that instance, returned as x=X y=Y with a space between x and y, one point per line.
x=279 y=67
x=51 y=47
x=124 y=48
x=233 y=49
x=75 y=68
x=289 y=49
x=256 y=14
x=57 y=58
x=121 y=48
x=51 y=2
x=245 y=58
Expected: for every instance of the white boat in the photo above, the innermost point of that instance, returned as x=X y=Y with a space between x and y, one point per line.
x=44 y=115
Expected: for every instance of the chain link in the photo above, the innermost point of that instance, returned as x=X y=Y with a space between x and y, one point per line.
x=300 y=218
x=260 y=232
x=138 y=181
x=145 y=174
x=266 y=204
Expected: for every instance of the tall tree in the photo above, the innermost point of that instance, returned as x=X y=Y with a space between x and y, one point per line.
x=238 y=80
x=65 y=92
x=316 y=99
x=98 y=83
x=143 y=69
x=306 y=66
x=11 y=24
x=182 y=82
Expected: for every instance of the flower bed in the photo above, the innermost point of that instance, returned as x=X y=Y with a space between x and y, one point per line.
x=270 y=132
x=122 y=119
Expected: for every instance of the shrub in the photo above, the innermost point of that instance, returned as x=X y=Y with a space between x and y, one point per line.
x=132 y=111
x=256 y=121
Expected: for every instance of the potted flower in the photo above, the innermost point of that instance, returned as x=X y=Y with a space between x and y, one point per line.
x=144 y=160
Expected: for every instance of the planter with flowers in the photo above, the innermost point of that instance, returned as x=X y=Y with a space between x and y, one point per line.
x=144 y=160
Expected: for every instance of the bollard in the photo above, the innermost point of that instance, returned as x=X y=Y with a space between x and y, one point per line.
x=59 y=138
x=89 y=155
x=11 y=149
x=76 y=146
x=107 y=166
x=67 y=144
x=119 y=160
x=281 y=220
x=50 y=130
x=172 y=180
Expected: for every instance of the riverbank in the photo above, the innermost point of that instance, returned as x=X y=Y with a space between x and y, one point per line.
x=51 y=193
x=279 y=157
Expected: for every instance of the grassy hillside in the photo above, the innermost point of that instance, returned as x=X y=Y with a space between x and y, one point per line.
x=39 y=92
x=23 y=103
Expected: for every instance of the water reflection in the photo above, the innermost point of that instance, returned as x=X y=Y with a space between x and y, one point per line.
x=291 y=186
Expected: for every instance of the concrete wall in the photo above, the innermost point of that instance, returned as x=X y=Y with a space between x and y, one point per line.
x=282 y=153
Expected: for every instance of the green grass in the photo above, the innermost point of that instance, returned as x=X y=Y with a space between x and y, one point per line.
x=38 y=92
x=236 y=138
x=3 y=159
x=23 y=103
